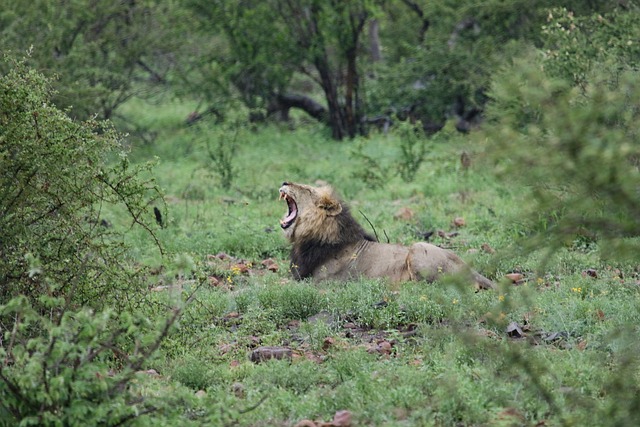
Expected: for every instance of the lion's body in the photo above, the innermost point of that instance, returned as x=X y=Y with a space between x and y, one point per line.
x=328 y=244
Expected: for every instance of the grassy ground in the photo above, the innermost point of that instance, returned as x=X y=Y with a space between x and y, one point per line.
x=557 y=348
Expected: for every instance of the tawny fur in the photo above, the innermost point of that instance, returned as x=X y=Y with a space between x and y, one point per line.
x=329 y=244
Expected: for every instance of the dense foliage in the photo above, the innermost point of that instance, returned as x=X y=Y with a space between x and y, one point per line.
x=572 y=129
x=103 y=52
x=68 y=291
x=348 y=65
x=57 y=176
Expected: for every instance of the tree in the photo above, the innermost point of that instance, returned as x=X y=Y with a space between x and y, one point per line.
x=441 y=56
x=270 y=41
x=103 y=52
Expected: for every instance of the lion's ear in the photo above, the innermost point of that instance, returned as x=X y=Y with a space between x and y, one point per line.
x=331 y=206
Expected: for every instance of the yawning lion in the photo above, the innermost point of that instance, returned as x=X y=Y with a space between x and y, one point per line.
x=328 y=244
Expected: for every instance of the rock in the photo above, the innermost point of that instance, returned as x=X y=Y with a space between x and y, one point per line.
x=261 y=354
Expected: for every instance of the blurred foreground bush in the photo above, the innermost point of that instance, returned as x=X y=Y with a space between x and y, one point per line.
x=71 y=337
x=573 y=141
x=56 y=178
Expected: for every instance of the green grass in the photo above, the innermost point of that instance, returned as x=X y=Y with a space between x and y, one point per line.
x=416 y=354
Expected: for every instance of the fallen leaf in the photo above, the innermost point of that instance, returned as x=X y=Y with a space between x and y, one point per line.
x=383 y=347
x=556 y=336
x=305 y=423
x=514 y=277
x=342 y=419
x=600 y=314
x=444 y=235
x=591 y=273
x=488 y=249
x=328 y=343
x=514 y=331
x=310 y=356
x=582 y=345
x=270 y=264
x=510 y=416
x=458 y=222
x=416 y=362
x=404 y=214
x=240 y=267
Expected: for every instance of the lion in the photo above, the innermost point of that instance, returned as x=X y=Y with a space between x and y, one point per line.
x=329 y=244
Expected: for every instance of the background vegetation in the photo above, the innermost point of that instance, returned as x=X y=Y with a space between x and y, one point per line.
x=144 y=280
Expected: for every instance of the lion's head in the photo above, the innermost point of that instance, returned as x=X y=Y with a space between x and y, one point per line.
x=317 y=222
x=312 y=213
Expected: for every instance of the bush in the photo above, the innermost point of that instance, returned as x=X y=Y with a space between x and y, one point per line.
x=66 y=375
x=292 y=302
x=574 y=149
x=57 y=177
x=69 y=351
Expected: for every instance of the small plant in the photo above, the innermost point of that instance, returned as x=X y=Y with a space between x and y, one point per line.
x=413 y=149
x=293 y=302
x=369 y=170
x=221 y=149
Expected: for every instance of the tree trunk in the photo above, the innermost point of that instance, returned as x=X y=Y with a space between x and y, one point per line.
x=335 y=115
x=284 y=102
x=374 y=41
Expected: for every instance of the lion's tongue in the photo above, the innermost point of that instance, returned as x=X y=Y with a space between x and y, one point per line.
x=293 y=212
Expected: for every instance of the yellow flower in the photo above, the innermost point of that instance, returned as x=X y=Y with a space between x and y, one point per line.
x=455 y=300
x=576 y=290
x=501 y=298
x=423 y=298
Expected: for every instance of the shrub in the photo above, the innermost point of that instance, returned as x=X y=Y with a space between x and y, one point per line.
x=66 y=375
x=69 y=351
x=57 y=177
x=579 y=147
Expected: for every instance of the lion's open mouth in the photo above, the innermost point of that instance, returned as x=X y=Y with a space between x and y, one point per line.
x=292 y=213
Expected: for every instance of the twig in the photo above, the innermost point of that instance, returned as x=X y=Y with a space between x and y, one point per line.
x=252 y=407
x=372 y=227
